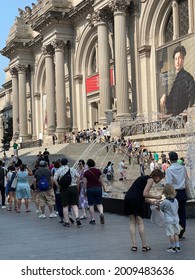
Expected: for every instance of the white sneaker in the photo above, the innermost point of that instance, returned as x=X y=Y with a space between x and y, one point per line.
x=42 y=216
x=3 y=207
x=52 y=215
x=37 y=211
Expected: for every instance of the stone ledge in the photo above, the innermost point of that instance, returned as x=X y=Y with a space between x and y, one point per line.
x=116 y=206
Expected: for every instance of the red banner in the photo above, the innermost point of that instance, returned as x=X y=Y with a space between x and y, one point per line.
x=92 y=83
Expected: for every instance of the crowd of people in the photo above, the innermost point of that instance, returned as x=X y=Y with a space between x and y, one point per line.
x=73 y=193
x=48 y=188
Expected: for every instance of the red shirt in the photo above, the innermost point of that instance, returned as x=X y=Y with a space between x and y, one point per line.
x=93 y=175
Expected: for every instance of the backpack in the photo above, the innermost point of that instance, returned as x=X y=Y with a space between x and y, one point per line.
x=105 y=170
x=43 y=184
x=65 y=180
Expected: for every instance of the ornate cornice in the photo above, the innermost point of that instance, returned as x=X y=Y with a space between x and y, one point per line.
x=80 y=11
x=13 y=47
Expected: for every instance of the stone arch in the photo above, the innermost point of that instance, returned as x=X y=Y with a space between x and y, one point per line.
x=40 y=89
x=153 y=20
x=39 y=75
x=85 y=46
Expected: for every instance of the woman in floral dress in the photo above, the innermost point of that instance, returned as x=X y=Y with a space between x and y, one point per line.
x=83 y=201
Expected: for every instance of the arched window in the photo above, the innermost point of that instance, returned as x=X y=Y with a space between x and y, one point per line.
x=169 y=29
x=183 y=21
x=183 y=17
x=94 y=63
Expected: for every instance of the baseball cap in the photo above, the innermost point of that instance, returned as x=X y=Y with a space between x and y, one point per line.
x=42 y=163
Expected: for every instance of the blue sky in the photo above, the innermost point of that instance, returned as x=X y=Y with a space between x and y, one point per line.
x=8 y=12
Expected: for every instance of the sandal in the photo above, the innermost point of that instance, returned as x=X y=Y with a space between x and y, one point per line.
x=9 y=209
x=146 y=248
x=134 y=248
x=17 y=211
x=27 y=211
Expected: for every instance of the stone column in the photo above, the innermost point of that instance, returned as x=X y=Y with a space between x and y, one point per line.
x=71 y=66
x=122 y=93
x=60 y=87
x=191 y=15
x=15 y=103
x=33 y=111
x=104 y=65
x=38 y=119
x=145 y=88
x=50 y=89
x=22 y=102
x=78 y=79
x=175 y=9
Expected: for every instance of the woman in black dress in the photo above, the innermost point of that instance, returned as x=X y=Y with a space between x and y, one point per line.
x=134 y=204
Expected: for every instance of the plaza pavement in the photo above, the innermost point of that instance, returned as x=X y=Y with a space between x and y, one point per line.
x=26 y=237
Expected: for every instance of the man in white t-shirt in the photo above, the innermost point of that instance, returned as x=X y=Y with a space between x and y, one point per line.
x=122 y=170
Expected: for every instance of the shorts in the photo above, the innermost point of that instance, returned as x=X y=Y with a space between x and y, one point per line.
x=94 y=195
x=46 y=197
x=172 y=229
x=69 y=196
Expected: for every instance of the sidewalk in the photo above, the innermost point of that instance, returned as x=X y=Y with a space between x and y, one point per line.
x=26 y=237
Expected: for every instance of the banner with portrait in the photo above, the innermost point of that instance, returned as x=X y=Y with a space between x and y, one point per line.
x=175 y=77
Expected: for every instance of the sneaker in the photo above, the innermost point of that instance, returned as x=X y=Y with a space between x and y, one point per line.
x=37 y=211
x=177 y=249
x=102 y=221
x=171 y=250
x=78 y=222
x=42 y=216
x=83 y=217
x=65 y=224
x=92 y=222
x=3 y=207
x=52 y=215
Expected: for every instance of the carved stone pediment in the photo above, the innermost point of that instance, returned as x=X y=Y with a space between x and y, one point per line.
x=20 y=31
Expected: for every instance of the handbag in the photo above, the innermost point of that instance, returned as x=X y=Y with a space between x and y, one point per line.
x=14 y=183
x=190 y=192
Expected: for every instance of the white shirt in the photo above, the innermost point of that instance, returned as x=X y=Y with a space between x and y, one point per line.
x=176 y=175
x=121 y=166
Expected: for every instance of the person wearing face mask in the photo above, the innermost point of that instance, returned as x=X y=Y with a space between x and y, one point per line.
x=182 y=94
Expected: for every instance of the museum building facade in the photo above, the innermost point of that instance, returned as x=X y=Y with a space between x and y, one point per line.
x=76 y=64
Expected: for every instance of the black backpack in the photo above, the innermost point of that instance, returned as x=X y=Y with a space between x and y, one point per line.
x=65 y=180
x=105 y=170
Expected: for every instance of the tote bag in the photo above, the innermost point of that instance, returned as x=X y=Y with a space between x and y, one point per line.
x=14 y=183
